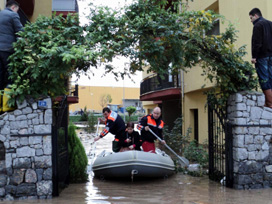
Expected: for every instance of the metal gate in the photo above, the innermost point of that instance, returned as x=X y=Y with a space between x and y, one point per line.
x=60 y=146
x=220 y=146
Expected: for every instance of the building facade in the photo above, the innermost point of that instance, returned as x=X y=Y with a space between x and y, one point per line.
x=189 y=99
x=194 y=101
x=90 y=97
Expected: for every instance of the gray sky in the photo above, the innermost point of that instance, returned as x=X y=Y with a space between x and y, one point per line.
x=108 y=80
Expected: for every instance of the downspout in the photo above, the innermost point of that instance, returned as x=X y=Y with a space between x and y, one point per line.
x=182 y=86
x=182 y=101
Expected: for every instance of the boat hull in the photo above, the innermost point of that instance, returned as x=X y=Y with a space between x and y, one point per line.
x=133 y=163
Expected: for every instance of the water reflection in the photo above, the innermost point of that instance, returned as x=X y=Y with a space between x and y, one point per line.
x=178 y=189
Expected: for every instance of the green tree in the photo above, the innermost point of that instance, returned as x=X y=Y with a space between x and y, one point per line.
x=77 y=157
x=105 y=99
x=174 y=137
x=85 y=115
x=91 y=123
x=130 y=110
x=50 y=50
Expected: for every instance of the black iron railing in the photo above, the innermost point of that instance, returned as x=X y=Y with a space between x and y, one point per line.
x=156 y=83
x=74 y=91
x=60 y=158
x=220 y=146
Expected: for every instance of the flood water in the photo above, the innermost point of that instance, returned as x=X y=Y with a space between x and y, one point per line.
x=178 y=189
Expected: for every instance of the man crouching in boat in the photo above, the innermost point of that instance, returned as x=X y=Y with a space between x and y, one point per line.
x=154 y=122
x=116 y=126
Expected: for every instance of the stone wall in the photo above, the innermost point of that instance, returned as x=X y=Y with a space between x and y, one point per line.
x=252 y=149
x=26 y=171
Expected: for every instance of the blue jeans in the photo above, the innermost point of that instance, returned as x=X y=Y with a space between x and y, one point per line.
x=264 y=71
x=4 y=69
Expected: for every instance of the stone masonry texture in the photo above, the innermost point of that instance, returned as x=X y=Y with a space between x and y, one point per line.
x=252 y=144
x=26 y=156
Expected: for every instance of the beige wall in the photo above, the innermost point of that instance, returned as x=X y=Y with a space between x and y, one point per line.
x=42 y=7
x=196 y=100
x=89 y=96
x=201 y=4
x=236 y=12
x=148 y=106
x=194 y=81
x=2 y=4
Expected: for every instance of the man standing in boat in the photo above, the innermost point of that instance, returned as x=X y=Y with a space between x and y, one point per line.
x=115 y=125
x=154 y=122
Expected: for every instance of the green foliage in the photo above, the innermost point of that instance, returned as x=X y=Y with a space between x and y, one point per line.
x=85 y=115
x=74 y=118
x=77 y=157
x=196 y=153
x=174 y=138
x=47 y=53
x=92 y=120
x=133 y=118
x=50 y=50
x=130 y=110
x=156 y=38
x=181 y=144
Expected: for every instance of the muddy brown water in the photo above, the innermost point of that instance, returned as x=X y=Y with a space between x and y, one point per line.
x=178 y=189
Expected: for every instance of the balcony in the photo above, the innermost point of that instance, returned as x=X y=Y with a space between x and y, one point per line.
x=155 y=88
x=72 y=97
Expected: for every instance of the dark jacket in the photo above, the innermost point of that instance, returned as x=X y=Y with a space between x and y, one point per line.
x=155 y=125
x=9 y=25
x=261 y=38
x=135 y=138
x=115 y=125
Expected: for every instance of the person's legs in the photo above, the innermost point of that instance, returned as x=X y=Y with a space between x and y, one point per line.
x=149 y=147
x=264 y=72
x=269 y=68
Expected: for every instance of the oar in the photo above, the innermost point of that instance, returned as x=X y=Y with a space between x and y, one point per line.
x=96 y=134
x=184 y=161
x=98 y=122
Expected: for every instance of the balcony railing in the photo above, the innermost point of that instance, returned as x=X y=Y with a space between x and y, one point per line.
x=157 y=83
x=74 y=91
x=65 y=5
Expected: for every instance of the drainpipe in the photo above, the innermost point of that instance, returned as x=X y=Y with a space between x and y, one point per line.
x=182 y=101
x=182 y=84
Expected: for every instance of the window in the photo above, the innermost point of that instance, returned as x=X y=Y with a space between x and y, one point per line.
x=216 y=29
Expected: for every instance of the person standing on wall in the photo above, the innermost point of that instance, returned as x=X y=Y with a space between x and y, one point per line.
x=261 y=49
x=115 y=125
x=10 y=25
x=155 y=123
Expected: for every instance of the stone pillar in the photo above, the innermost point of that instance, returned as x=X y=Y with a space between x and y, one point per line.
x=26 y=134
x=252 y=149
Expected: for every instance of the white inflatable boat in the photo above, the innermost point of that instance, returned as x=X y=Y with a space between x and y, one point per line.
x=132 y=164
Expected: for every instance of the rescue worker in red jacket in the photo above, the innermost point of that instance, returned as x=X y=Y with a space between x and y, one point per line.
x=154 y=122
x=114 y=124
